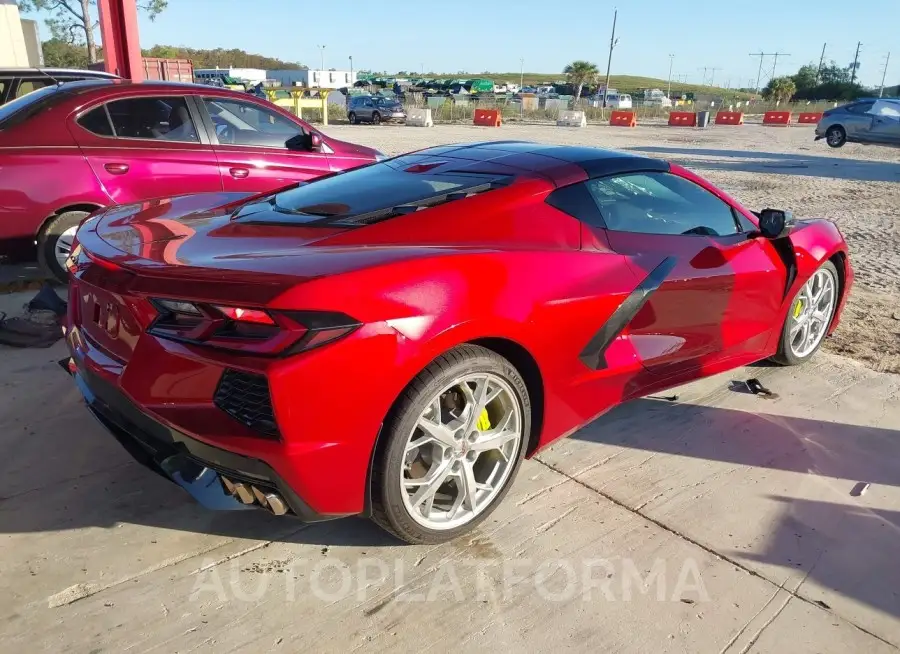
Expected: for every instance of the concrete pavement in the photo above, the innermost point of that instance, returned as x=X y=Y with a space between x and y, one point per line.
x=718 y=522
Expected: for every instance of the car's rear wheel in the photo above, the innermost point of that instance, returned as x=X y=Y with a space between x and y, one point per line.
x=55 y=243
x=352 y=118
x=451 y=447
x=809 y=317
x=376 y=118
x=835 y=136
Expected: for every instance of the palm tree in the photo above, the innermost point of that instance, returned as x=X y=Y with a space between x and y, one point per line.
x=781 y=89
x=579 y=73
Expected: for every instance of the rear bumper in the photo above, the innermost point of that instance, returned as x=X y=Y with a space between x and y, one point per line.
x=195 y=466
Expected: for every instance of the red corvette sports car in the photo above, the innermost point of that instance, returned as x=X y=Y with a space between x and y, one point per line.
x=393 y=340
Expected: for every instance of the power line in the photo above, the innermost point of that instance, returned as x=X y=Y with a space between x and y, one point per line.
x=884 y=69
x=775 y=62
x=761 y=55
x=712 y=74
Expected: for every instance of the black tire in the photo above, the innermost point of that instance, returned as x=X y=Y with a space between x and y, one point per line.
x=785 y=355
x=352 y=118
x=835 y=136
x=388 y=508
x=376 y=118
x=48 y=238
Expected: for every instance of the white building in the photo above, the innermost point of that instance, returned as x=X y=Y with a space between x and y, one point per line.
x=313 y=79
x=249 y=76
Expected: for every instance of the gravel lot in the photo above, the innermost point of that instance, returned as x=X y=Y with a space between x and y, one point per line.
x=856 y=186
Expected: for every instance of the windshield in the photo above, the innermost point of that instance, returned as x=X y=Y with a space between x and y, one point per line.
x=381 y=187
x=36 y=100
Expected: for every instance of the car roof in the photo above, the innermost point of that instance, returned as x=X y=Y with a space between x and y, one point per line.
x=61 y=72
x=553 y=161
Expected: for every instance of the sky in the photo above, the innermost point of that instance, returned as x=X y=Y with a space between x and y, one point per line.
x=494 y=35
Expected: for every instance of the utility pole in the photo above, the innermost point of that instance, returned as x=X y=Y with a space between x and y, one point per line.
x=322 y=53
x=855 y=63
x=712 y=76
x=352 y=79
x=887 y=60
x=775 y=63
x=521 y=73
x=669 y=89
x=821 y=63
x=612 y=44
x=759 y=54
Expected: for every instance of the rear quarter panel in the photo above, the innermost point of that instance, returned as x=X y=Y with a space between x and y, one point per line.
x=42 y=170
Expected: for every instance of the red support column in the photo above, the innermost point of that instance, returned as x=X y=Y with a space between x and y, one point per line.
x=121 y=43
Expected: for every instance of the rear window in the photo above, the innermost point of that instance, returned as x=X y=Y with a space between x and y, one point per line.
x=20 y=109
x=371 y=193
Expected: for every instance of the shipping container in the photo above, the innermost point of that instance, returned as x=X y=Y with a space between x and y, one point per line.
x=155 y=68
x=171 y=70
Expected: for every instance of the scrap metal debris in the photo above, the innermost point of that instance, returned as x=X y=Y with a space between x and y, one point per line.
x=754 y=387
x=41 y=324
x=859 y=489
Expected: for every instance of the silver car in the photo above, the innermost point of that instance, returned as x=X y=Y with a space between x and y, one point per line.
x=873 y=120
x=374 y=109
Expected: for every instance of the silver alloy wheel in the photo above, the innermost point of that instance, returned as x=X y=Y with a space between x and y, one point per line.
x=834 y=137
x=461 y=451
x=63 y=246
x=811 y=312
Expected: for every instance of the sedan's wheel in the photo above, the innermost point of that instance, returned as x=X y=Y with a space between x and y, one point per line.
x=453 y=446
x=55 y=243
x=376 y=118
x=835 y=136
x=352 y=118
x=809 y=317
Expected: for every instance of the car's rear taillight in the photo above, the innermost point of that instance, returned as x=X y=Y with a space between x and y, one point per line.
x=247 y=329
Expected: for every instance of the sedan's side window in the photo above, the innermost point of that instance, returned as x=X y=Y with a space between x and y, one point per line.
x=859 y=107
x=155 y=118
x=245 y=123
x=660 y=203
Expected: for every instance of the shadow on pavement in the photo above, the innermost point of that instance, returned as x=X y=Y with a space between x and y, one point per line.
x=841 y=545
x=778 y=163
x=66 y=474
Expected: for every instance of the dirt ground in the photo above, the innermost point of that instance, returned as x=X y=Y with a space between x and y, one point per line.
x=858 y=187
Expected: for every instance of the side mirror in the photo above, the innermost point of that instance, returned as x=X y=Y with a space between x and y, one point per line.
x=774 y=223
x=305 y=142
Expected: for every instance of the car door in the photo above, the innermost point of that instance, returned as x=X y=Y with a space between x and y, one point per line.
x=857 y=121
x=147 y=147
x=252 y=142
x=885 y=123
x=715 y=289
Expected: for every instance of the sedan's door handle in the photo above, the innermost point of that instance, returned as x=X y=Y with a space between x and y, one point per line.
x=239 y=173
x=116 y=168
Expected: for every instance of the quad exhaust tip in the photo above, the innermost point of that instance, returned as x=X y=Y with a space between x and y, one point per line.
x=248 y=494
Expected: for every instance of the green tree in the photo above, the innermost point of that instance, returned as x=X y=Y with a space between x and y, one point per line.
x=806 y=78
x=59 y=54
x=579 y=73
x=834 y=74
x=74 y=21
x=781 y=89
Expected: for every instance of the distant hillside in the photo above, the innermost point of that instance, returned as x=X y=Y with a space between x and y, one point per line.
x=65 y=55
x=220 y=57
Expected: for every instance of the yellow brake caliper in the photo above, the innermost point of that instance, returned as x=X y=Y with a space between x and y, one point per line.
x=484 y=421
x=798 y=308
